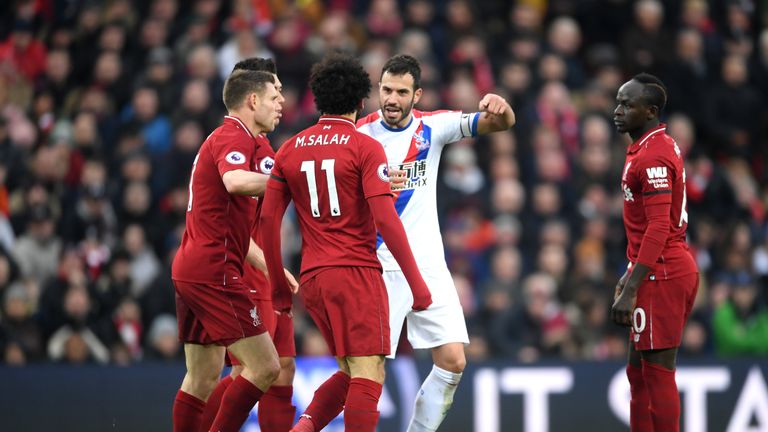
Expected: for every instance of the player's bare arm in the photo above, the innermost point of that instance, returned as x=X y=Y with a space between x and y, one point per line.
x=496 y=114
x=621 y=312
x=255 y=257
x=242 y=182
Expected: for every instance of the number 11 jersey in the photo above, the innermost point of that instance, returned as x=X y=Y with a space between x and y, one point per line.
x=331 y=169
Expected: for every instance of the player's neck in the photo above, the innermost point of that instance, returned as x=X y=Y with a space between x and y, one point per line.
x=637 y=134
x=253 y=128
x=349 y=116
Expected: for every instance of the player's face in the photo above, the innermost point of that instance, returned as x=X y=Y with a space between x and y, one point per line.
x=279 y=88
x=267 y=108
x=397 y=98
x=631 y=113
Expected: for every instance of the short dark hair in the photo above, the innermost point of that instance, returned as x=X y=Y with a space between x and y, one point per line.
x=402 y=64
x=339 y=83
x=256 y=64
x=654 y=91
x=239 y=85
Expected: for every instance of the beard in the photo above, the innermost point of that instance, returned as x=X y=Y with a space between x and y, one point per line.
x=392 y=117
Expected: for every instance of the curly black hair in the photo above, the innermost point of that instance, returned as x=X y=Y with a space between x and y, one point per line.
x=402 y=64
x=654 y=91
x=339 y=83
x=256 y=64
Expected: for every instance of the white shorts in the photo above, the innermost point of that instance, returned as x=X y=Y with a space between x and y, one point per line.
x=441 y=323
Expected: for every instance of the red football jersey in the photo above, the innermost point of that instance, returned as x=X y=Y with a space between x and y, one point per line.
x=215 y=241
x=654 y=174
x=330 y=169
x=255 y=279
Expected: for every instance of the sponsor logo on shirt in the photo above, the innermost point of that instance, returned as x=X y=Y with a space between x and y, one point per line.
x=266 y=165
x=657 y=176
x=415 y=174
x=235 y=158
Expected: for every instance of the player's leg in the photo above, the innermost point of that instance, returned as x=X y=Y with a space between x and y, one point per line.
x=659 y=376
x=400 y=300
x=327 y=402
x=639 y=403
x=276 y=410
x=261 y=366
x=214 y=400
x=204 y=363
x=360 y=411
x=442 y=329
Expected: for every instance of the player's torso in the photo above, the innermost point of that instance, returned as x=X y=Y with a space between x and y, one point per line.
x=415 y=149
x=643 y=177
x=322 y=167
x=264 y=160
x=214 y=244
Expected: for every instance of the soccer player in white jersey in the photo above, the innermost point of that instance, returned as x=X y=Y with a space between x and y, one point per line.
x=413 y=141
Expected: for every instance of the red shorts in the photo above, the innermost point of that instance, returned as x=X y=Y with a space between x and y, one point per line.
x=215 y=314
x=350 y=308
x=661 y=312
x=280 y=328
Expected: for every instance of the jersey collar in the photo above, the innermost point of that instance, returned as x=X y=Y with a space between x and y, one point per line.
x=239 y=123
x=336 y=120
x=392 y=129
x=635 y=146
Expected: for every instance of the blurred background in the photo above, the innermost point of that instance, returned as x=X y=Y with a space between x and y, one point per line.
x=104 y=104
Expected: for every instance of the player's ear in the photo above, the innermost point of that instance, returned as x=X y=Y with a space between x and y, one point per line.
x=417 y=95
x=652 y=112
x=361 y=106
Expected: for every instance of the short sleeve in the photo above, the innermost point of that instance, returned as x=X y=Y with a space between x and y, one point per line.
x=656 y=174
x=277 y=168
x=232 y=153
x=452 y=126
x=373 y=167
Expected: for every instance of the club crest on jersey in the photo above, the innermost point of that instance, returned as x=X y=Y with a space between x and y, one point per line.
x=383 y=171
x=421 y=142
x=628 y=193
x=255 y=317
x=266 y=165
x=235 y=158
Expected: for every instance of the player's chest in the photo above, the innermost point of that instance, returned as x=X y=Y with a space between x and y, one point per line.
x=630 y=184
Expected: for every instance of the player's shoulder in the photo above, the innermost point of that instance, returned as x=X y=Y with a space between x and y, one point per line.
x=368 y=120
x=661 y=146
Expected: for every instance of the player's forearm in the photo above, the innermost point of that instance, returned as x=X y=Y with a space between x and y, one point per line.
x=392 y=231
x=495 y=115
x=636 y=278
x=272 y=211
x=255 y=257
x=242 y=182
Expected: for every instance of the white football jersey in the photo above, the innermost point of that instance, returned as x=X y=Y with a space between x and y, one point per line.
x=416 y=149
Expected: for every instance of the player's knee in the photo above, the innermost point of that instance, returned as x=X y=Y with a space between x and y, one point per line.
x=287 y=367
x=271 y=370
x=454 y=363
x=202 y=382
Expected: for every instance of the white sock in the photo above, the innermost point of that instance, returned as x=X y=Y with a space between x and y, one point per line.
x=433 y=400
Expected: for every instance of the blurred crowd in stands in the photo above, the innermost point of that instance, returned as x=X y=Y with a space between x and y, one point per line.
x=103 y=105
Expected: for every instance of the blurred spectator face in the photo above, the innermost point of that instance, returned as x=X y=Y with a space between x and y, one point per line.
x=594 y=202
x=508 y=196
x=553 y=260
x=5 y=271
x=552 y=68
x=201 y=62
x=58 y=66
x=459 y=15
x=95 y=100
x=506 y=264
x=76 y=350
x=565 y=36
x=196 y=96
x=524 y=49
x=246 y=42
x=695 y=13
x=207 y=8
x=552 y=165
x=538 y=291
x=164 y=10
x=610 y=78
x=504 y=167
x=590 y=259
x=134 y=239
x=412 y=42
x=516 y=78
x=596 y=131
x=120 y=270
x=596 y=160
x=555 y=232
x=734 y=71
x=420 y=12
x=189 y=137
x=525 y=17
x=397 y=96
x=136 y=199
x=137 y=168
x=649 y=15
x=503 y=143
x=334 y=31
x=77 y=303
x=153 y=33
x=744 y=295
x=546 y=199
x=112 y=39
x=85 y=130
x=463 y=94
x=680 y=127
x=507 y=230
x=145 y=104
x=690 y=47
x=16 y=307
x=694 y=337
x=41 y=225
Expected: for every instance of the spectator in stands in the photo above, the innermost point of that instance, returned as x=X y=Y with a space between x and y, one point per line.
x=740 y=325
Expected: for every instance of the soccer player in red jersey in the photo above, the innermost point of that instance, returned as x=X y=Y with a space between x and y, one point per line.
x=213 y=309
x=655 y=295
x=337 y=178
x=276 y=411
